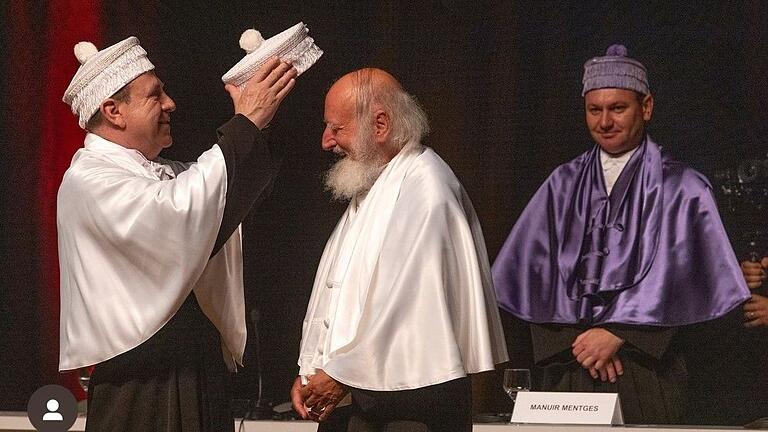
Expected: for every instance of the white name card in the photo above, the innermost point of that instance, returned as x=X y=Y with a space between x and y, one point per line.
x=572 y=408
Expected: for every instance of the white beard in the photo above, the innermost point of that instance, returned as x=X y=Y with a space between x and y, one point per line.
x=349 y=177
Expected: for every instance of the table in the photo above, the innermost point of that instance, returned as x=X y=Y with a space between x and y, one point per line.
x=18 y=422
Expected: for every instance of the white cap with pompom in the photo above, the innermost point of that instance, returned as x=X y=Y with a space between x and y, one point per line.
x=102 y=74
x=292 y=45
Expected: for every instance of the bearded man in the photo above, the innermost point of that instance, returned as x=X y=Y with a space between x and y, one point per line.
x=403 y=307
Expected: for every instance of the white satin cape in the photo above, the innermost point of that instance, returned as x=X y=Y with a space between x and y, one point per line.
x=132 y=247
x=416 y=304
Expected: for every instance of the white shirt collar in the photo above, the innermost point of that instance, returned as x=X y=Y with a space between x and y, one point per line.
x=613 y=166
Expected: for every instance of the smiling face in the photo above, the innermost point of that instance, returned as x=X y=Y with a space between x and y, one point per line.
x=353 y=137
x=341 y=123
x=147 y=116
x=616 y=118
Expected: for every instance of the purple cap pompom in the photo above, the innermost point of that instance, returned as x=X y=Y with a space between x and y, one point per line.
x=616 y=50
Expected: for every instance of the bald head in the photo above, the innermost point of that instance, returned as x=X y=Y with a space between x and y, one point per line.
x=380 y=106
x=366 y=86
x=371 y=79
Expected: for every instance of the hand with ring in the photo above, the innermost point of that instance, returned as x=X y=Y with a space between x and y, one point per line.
x=756 y=311
x=320 y=396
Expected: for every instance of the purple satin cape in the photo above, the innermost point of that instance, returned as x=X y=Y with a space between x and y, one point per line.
x=653 y=253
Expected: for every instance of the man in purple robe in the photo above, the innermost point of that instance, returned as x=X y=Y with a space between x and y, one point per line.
x=615 y=253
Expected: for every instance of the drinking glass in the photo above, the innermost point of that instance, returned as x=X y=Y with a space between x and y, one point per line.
x=516 y=380
x=84 y=377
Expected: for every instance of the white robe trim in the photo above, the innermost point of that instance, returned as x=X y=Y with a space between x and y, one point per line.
x=133 y=246
x=411 y=300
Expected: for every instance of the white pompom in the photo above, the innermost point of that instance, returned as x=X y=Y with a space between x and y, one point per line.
x=84 y=50
x=251 y=40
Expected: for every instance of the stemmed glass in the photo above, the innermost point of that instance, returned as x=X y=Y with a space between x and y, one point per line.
x=84 y=377
x=516 y=380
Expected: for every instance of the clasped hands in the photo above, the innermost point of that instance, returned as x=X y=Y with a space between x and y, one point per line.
x=318 y=398
x=597 y=351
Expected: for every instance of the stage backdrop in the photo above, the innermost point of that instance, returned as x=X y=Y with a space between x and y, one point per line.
x=499 y=80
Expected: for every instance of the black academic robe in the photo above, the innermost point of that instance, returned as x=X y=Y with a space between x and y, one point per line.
x=443 y=407
x=652 y=386
x=177 y=379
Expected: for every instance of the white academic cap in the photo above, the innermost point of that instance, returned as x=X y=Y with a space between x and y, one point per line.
x=102 y=74
x=292 y=45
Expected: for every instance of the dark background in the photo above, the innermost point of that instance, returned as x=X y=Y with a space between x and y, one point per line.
x=500 y=81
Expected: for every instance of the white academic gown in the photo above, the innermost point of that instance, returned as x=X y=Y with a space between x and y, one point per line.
x=403 y=296
x=133 y=246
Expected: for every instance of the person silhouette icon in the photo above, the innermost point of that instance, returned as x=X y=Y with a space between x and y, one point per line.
x=53 y=411
x=52 y=408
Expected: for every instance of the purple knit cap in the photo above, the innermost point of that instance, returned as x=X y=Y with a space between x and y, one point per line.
x=615 y=70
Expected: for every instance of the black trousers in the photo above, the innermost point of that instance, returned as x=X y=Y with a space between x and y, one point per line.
x=174 y=381
x=441 y=407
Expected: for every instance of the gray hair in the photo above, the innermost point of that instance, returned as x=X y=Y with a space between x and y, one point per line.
x=409 y=122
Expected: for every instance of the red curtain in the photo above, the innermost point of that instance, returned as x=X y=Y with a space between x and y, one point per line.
x=42 y=137
x=41 y=40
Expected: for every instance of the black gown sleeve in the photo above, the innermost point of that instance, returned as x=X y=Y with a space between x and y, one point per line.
x=252 y=165
x=550 y=340
x=651 y=341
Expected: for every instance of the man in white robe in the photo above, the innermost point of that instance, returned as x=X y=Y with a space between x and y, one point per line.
x=403 y=306
x=150 y=250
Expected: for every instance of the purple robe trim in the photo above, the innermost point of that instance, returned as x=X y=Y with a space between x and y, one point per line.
x=653 y=253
